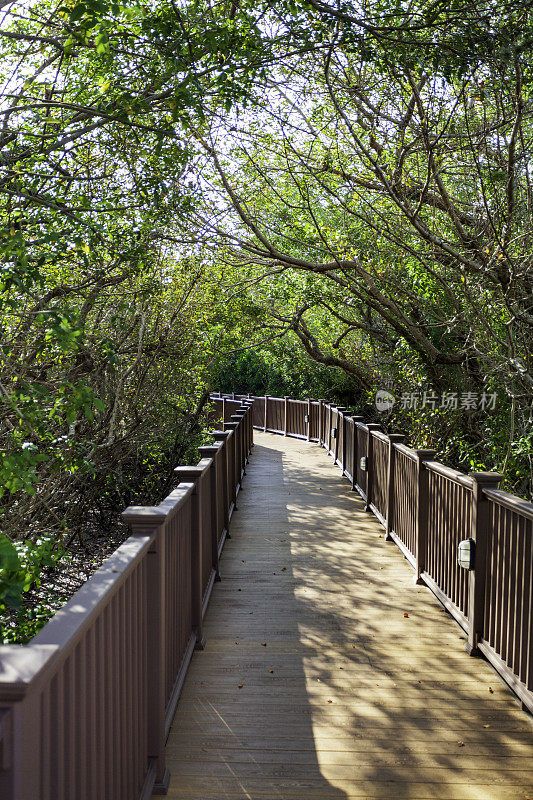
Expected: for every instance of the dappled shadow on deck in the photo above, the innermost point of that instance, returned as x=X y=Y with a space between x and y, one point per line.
x=342 y=695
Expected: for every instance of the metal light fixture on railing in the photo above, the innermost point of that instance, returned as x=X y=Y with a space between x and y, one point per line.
x=306 y=417
x=466 y=554
x=334 y=433
x=363 y=463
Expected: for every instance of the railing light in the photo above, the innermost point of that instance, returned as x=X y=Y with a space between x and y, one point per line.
x=466 y=554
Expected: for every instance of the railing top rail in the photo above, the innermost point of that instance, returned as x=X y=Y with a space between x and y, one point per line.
x=156 y=515
x=186 y=473
x=510 y=501
x=229 y=398
x=22 y=666
x=407 y=451
x=452 y=474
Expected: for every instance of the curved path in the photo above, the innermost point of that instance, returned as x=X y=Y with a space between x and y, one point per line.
x=328 y=675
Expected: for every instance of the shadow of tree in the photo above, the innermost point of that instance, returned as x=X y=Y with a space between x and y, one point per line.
x=314 y=682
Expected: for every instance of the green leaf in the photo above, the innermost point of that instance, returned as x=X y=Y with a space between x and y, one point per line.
x=9 y=559
x=77 y=12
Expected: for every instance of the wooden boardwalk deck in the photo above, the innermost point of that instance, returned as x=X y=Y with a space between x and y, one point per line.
x=314 y=682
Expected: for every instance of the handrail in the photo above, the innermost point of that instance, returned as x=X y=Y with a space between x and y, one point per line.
x=427 y=508
x=510 y=501
x=452 y=474
x=108 y=668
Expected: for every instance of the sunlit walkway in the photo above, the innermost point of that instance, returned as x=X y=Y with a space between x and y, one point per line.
x=327 y=672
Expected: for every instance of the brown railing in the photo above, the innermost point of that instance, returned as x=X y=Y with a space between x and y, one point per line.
x=86 y=706
x=427 y=509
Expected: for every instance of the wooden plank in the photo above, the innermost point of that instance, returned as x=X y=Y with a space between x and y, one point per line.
x=311 y=610
x=287 y=789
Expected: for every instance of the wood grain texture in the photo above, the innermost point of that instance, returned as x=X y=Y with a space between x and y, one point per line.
x=342 y=695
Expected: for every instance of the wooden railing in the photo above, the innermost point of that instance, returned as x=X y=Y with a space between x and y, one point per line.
x=427 y=509
x=86 y=706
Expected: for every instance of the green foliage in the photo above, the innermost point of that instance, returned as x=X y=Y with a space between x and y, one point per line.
x=293 y=198
x=21 y=566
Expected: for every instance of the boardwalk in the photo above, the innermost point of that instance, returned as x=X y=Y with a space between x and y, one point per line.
x=327 y=673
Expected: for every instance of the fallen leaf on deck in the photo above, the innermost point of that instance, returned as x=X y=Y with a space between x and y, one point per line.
x=241 y=685
x=460 y=744
x=263 y=644
x=405 y=614
x=491 y=690
x=271 y=670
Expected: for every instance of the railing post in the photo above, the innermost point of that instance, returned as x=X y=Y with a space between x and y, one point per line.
x=240 y=417
x=285 y=410
x=393 y=439
x=245 y=415
x=233 y=455
x=372 y=426
x=308 y=419
x=355 y=450
x=193 y=475
x=21 y=743
x=320 y=425
x=340 y=418
x=421 y=511
x=211 y=451
x=266 y=414
x=476 y=577
x=221 y=436
x=150 y=521
x=344 y=426
x=240 y=444
x=223 y=410
x=249 y=406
